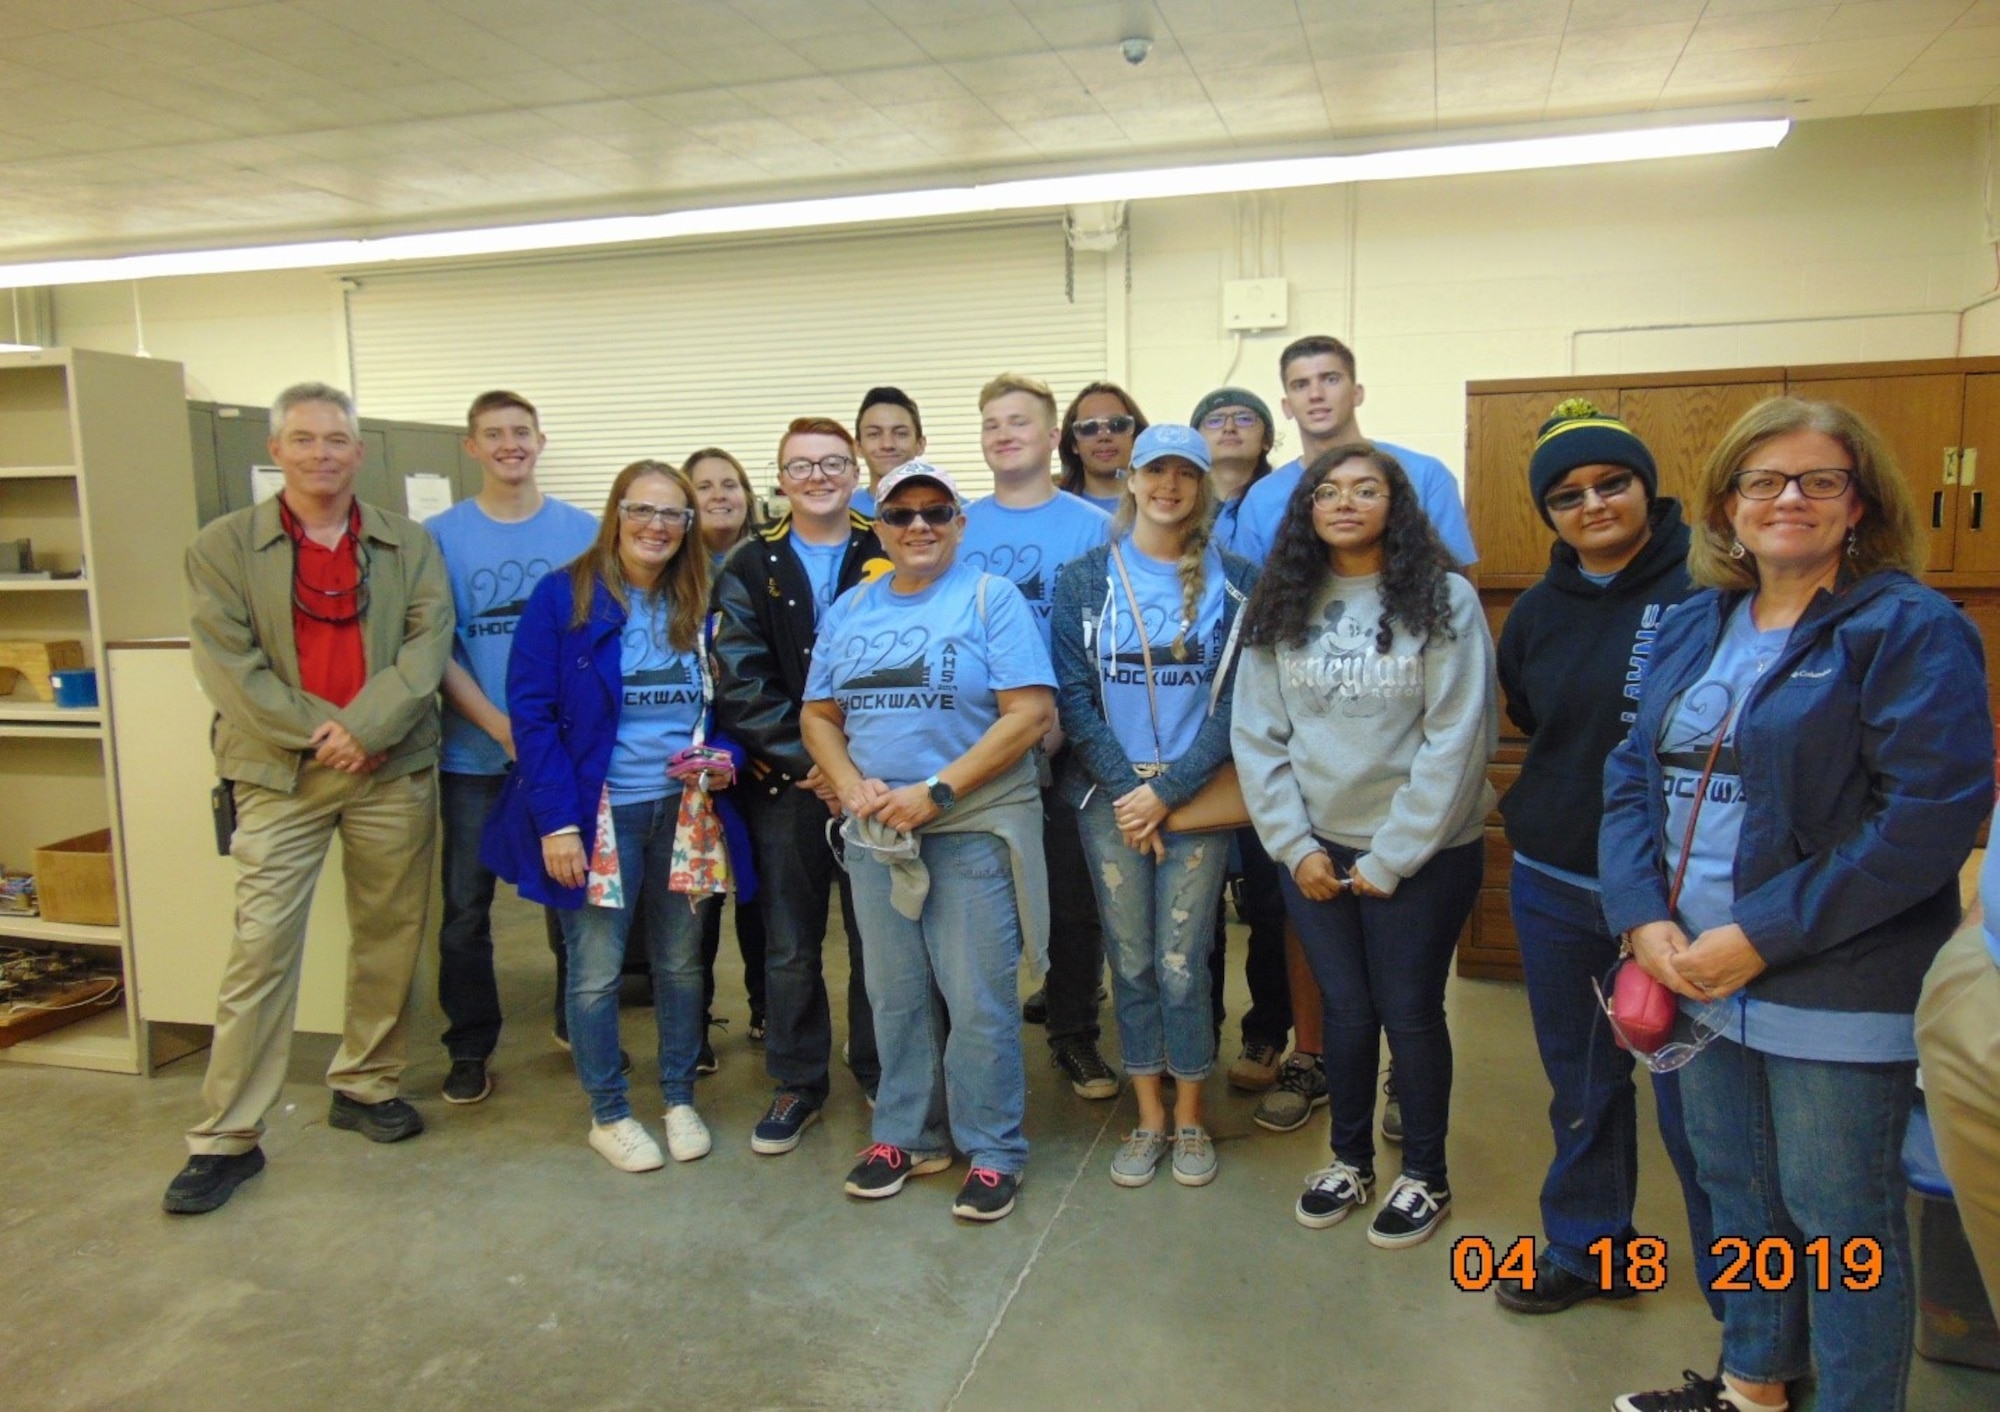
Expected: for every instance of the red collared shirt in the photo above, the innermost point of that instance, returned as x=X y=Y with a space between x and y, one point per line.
x=333 y=664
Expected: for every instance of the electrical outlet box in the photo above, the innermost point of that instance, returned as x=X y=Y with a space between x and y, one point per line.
x=1253 y=304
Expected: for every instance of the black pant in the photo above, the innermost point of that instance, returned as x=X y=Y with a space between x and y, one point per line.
x=1076 y=935
x=1261 y=904
x=749 y=943
x=796 y=871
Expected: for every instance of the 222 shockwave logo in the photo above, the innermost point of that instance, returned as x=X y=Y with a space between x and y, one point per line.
x=499 y=594
x=1191 y=668
x=894 y=670
x=659 y=675
x=1020 y=565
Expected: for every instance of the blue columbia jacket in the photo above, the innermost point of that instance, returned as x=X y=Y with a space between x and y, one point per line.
x=1866 y=753
x=563 y=692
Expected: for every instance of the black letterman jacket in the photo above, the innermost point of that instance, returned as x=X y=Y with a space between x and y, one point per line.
x=762 y=608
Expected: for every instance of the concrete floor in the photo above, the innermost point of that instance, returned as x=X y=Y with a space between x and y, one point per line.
x=497 y=1262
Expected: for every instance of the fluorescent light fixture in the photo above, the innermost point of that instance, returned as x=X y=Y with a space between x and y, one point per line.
x=20 y=347
x=1508 y=155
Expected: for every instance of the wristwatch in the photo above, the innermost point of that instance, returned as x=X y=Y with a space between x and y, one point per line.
x=942 y=794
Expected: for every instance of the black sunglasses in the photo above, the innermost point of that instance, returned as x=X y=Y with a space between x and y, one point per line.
x=1097 y=426
x=903 y=516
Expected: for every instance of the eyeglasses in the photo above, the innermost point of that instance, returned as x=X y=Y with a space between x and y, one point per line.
x=903 y=516
x=1559 y=502
x=1365 y=495
x=1098 y=426
x=638 y=512
x=1708 y=1026
x=1828 y=484
x=832 y=467
x=1216 y=421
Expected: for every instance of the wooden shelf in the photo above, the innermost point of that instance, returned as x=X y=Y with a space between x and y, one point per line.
x=103 y=1042
x=47 y=713
x=77 y=732
x=44 y=585
x=68 y=933
x=38 y=473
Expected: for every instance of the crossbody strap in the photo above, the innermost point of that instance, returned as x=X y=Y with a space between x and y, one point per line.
x=1145 y=649
x=1694 y=810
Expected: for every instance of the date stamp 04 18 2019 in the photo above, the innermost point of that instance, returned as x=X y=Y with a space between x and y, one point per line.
x=1773 y=1264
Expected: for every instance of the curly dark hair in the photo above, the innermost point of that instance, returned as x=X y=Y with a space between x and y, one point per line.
x=1415 y=563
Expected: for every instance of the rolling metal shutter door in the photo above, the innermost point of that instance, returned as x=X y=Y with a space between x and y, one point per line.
x=656 y=353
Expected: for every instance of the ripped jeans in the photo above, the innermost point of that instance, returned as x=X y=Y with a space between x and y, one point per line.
x=1159 y=925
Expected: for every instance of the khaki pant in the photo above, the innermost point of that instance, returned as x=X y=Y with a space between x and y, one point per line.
x=1958 y=1041
x=387 y=829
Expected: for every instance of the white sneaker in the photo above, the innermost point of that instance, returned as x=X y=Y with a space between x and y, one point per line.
x=687 y=1134
x=627 y=1145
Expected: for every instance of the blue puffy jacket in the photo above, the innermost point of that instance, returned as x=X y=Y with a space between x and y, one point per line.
x=1866 y=753
x=563 y=693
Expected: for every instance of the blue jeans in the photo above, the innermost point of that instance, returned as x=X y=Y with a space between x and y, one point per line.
x=1593 y=1111
x=1381 y=964
x=1799 y=1149
x=1159 y=927
x=796 y=872
x=966 y=948
x=595 y=937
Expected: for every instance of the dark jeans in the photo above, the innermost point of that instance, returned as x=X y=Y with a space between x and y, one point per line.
x=750 y=945
x=797 y=869
x=467 y=992
x=1076 y=934
x=1381 y=964
x=1261 y=905
x=1593 y=1110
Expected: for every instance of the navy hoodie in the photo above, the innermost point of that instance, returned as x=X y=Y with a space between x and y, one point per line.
x=1571 y=654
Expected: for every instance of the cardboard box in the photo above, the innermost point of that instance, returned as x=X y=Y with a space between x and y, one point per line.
x=73 y=880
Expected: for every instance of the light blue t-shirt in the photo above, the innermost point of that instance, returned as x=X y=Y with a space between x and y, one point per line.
x=1107 y=503
x=659 y=703
x=492 y=566
x=917 y=674
x=1029 y=547
x=1180 y=684
x=864 y=501
x=822 y=565
x=1264 y=506
x=1708 y=893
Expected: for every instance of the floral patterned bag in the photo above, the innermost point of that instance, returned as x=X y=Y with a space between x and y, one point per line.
x=700 y=866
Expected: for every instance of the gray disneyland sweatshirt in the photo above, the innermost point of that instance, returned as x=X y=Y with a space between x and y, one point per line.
x=1381 y=752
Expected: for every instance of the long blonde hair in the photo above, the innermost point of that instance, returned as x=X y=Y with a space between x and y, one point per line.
x=1196 y=531
x=684 y=585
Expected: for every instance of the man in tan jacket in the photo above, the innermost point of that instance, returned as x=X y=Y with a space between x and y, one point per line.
x=321 y=627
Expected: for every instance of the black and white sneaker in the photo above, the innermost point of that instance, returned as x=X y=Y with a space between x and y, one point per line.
x=1089 y=1076
x=883 y=1169
x=468 y=1082
x=1331 y=1193
x=1410 y=1213
x=986 y=1196
x=1697 y=1394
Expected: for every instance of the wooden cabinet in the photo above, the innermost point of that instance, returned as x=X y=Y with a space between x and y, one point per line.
x=1938 y=416
x=94 y=468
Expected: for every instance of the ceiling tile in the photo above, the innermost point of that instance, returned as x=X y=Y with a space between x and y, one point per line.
x=1028 y=104
x=1301 y=115
x=1057 y=136
x=535 y=87
x=1761 y=30
x=1107 y=73
x=966 y=114
x=990 y=35
x=797 y=95
x=1891 y=51
x=1588 y=15
x=1365 y=31
x=1499 y=21
x=436 y=98
x=1096 y=26
x=1733 y=66
x=1947 y=73
x=1593 y=78
x=1256 y=50
x=1630 y=44
x=1979 y=15
x=1915 y=100
x=752 y=64
x=923 y=83
x=786 y=19
x=1018 y=73
x=1863 y=21
x=1187 y=18
x=1387 y=80
x=1516 y=71
x=1965 y=44
x=706 y=105
x=35 y=16
x=859 y=51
